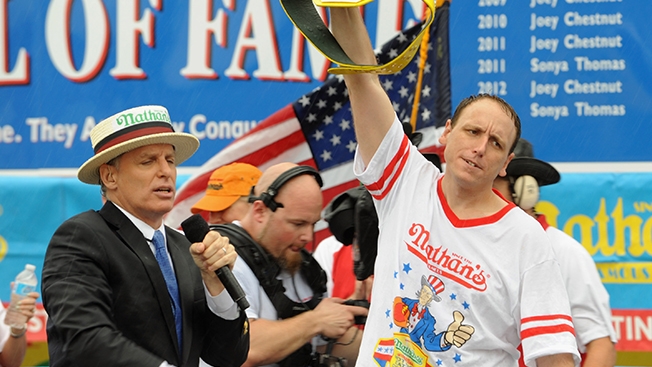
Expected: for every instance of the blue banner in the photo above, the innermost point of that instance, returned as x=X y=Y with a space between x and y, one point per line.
x=219 y=68
x=611 y=215
x=570 y=68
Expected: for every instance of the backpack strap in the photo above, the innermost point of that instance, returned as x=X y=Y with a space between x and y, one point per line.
x=266 y=270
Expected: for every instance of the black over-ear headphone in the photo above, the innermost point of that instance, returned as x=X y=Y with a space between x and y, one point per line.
x=268 y=196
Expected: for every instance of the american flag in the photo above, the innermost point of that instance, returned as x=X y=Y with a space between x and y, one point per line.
x=317 y=129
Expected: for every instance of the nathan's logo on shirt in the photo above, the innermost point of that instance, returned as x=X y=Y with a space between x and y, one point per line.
x=451 y=265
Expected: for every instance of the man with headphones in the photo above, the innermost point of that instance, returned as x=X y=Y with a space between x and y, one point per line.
x=289 y=312
x=589 y=299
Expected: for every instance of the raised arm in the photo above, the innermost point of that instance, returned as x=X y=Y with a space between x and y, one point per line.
x=372 y=110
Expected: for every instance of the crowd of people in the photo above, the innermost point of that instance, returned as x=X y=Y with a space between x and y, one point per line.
x=458 y=267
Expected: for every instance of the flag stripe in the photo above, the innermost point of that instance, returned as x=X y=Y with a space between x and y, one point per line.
x=278 y=141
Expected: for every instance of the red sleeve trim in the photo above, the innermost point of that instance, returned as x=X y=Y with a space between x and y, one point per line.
x=380 y=189
x=542 y=330
x=546 y=317
x=555 y=325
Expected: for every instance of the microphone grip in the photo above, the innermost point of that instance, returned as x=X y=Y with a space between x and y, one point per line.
x=195 y=229
x=232 y=287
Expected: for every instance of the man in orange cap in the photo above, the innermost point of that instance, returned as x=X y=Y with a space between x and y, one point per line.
x=226 y=195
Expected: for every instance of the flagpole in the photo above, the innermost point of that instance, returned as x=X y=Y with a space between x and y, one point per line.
x=423 y=54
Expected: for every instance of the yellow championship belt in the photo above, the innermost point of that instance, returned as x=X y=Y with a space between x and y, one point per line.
x=304 y=16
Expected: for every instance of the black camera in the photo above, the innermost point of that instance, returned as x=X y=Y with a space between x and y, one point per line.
x=359 y=320
x=327 y=360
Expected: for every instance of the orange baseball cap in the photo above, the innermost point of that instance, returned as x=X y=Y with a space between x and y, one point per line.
x=226 y=185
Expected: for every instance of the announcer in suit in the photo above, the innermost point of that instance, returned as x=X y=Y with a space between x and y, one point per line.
x=121 y=288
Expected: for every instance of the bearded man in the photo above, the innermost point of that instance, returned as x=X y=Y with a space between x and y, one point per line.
x=290 y=315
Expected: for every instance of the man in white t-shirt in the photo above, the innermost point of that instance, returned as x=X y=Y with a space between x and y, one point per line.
x=501 y=283
x=588 y=297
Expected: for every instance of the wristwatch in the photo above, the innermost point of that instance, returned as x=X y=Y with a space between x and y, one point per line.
x=20 y=333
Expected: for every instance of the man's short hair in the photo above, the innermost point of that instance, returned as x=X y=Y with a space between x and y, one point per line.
x=509 y=110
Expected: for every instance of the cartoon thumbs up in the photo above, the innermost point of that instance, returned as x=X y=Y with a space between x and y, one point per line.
x=458 y=334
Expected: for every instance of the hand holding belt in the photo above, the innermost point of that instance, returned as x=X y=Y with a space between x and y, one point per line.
x=304 y=16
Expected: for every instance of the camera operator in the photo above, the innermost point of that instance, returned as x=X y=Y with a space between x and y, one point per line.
x=285 y=287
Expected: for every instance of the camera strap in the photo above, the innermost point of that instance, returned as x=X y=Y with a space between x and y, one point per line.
x=266 y=271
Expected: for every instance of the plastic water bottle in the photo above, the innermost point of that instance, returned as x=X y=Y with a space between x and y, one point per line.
x=24 y=284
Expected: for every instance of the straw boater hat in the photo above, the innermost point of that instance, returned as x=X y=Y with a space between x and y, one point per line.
x=131 y=129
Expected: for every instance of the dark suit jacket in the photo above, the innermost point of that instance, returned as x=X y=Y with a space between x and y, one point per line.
x=108 y=304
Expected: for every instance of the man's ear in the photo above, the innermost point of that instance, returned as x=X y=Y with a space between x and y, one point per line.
x=107 y=176
x=503 y=171
x=447 y=130
x=259 y=211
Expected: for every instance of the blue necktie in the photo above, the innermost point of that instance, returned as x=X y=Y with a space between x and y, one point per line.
x=170 y=280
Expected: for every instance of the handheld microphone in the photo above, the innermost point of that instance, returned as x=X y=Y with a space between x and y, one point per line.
x=195 y=229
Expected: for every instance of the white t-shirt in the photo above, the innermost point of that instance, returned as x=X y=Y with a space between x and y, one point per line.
x=589 y=299
x=498 y=273
x=324 y=253
x=5 y=330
